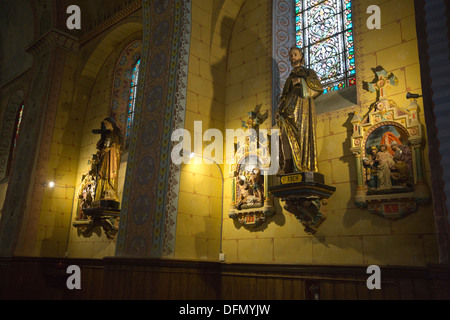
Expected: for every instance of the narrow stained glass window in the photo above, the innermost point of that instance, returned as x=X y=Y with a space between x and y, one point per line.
x=324 y=31
x=132 y=101
x=16 y=131
x=14 y=136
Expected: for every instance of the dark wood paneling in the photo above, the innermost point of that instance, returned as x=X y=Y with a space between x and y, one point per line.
x=123 y=278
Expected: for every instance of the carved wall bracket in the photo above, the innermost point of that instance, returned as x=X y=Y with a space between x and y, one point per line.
x=252 y=218
x=92 y=214
x=303 y=194
x=108 y=220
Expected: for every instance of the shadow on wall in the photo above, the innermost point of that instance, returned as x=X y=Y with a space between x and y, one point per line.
x=219 y=69
x=349 y=159
x=336 y=100
x=248 y=88
x=16 y=18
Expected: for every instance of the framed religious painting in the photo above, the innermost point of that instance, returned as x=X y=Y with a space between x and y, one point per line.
x=387 y=142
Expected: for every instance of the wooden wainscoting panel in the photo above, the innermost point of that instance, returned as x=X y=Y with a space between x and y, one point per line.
x=130 y=279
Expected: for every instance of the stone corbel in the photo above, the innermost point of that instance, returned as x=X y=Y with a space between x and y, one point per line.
x=303 y=194
x=99 y=217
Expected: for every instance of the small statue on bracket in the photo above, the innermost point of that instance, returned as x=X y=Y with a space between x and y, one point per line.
x=109 y=153
x=98 y=196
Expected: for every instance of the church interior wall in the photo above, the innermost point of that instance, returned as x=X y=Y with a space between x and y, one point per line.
x=85 y=101
x=96 y=244
x=229 y=75
x=13 y=56
x=200 y=197
x=249 y=88
x=349 y=235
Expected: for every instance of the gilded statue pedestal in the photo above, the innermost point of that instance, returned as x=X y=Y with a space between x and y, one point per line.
x=106 y=204
x=303 y=194
x=105 y=217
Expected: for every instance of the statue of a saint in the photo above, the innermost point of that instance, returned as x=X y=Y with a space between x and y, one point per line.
x=296 y=117
x=109 y=153
x=385 y=163
x=403 y=170
x=257 y=185
x=250 y=190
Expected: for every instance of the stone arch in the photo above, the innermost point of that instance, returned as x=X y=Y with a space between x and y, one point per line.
x=108 y=43
x=101 y=52
x=7 y=131
x=108 y=46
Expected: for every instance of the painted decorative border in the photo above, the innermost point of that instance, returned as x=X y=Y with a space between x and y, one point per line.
x=178 y=122
x=283 y=36
x=123 y=232
x=110 y=21
x=148 y=217
x=339 y=114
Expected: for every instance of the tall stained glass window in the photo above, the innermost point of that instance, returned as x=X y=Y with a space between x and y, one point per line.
x=324 y=31
x=132 y=102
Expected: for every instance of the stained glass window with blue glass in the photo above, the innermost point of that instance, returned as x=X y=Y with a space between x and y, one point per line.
x=324 y=30
x=132 y=102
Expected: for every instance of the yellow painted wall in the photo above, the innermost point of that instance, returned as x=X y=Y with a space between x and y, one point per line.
x=349 y=235
x=229 y=75
x=249 y=84
x=200 y=196
x=96 y=244
x=85 y=100
x=57 y=202
x=98 y=108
